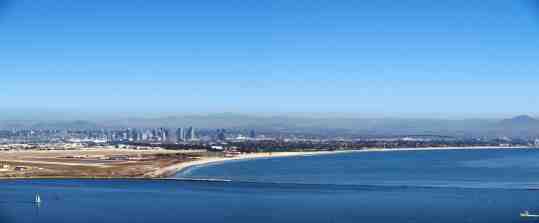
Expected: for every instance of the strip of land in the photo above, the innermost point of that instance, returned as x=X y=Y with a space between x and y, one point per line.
x=90 y=163
x=124 y=163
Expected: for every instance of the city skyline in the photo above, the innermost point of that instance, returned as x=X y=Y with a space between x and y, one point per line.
x=457 y=59
x=262 y=111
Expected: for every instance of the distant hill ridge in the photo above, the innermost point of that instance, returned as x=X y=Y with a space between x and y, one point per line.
x=520 y=126
x=520 y=120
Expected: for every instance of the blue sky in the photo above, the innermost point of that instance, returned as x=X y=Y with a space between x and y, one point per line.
x=459 y=58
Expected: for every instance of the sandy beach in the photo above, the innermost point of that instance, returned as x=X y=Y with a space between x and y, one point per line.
x=173 y=169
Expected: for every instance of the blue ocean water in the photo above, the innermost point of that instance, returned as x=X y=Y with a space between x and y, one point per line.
x=509 y=168
x=414 y=186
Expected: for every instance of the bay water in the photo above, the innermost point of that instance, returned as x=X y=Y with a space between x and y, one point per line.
x=402 y=186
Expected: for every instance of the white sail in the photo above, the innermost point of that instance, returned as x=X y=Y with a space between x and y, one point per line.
x=38 y=199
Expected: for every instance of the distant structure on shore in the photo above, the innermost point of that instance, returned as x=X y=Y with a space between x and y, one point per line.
x=183 y=135
x=162 y=135
x=191 y=135
x=180 y=135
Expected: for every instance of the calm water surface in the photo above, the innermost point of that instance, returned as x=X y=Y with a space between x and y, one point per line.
x=422 y=186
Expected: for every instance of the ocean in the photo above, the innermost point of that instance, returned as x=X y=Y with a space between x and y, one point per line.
x=402 y=186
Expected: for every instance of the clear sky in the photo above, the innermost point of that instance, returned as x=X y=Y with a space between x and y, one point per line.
x=380 y=57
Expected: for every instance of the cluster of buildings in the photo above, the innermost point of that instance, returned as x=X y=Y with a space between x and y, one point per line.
x=224 y=139
x=99 y=136
x=163 y=135
x=77 y=138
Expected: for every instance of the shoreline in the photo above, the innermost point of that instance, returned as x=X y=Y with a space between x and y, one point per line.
x=177 y=168
x=168 y=171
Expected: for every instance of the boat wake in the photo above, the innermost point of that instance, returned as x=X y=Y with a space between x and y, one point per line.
x=374 y=186
x=199 y=179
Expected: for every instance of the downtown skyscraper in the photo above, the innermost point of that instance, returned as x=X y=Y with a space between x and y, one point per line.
x=180 y=135
x=191 y=135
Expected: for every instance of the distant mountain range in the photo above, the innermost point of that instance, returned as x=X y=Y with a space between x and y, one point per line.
x=522 y=120
x=523 y=125
x=520 y=126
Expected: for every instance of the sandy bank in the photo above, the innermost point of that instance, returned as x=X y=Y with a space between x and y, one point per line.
x=171 y=170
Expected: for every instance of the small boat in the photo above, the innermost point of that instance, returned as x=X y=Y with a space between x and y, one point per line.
x=526 y=214
x=38 y=199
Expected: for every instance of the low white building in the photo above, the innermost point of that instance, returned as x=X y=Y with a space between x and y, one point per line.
x=5 y=167
x=221 y=148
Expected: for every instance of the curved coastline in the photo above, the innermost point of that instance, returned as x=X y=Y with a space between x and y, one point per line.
x=178 y=168
x=168 y=171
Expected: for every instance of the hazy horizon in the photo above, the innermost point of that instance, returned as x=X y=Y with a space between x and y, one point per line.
x=47 y=115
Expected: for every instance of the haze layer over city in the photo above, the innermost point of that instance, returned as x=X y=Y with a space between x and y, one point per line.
x=455 y=68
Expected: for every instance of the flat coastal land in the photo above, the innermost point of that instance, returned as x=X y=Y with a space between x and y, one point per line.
x=90 y=163
x=125 y=163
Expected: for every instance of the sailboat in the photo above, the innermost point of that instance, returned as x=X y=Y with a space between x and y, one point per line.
x=526 y=214
x=38 y=199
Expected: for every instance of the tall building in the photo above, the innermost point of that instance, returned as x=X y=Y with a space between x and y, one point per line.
x=130 y=134
x=180 y=135
x=137 y=135
x=252 y=134
x=146 y=135
x=169 y=136
x=164 y=135
x=191 y=133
